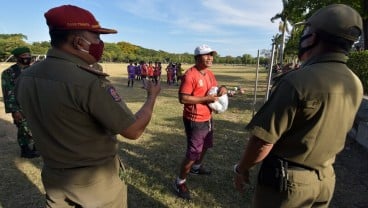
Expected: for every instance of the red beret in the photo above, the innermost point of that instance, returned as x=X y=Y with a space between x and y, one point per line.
x=69 y=17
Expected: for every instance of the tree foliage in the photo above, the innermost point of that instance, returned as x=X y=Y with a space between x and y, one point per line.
x=120 y=52
x=358 y=62
x=299 y=10
x=10 y=41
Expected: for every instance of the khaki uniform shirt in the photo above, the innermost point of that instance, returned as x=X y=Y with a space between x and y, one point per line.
x=310 y=111
x=74 y=112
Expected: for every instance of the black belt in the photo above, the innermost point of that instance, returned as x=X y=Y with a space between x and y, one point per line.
x=291 y=165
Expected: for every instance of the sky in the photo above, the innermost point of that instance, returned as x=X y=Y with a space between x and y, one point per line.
x=231 y=27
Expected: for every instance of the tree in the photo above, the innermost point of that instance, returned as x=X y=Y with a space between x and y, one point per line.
x=247 y=59
x=10 y=41
x=364 y=14
x=277 y=41
x=114 y=52
x=283 y=26
x=298 y=10
x=40 y=48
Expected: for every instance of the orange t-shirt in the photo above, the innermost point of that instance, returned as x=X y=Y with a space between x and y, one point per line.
x=144 y=69
x=195 y=83
x=150 y=70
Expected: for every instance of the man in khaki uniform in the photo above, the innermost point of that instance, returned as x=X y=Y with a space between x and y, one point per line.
x=75 y=114
x=303 y=125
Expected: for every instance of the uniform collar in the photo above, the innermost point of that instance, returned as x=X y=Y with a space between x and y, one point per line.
x=328 y=57
x=56 y=53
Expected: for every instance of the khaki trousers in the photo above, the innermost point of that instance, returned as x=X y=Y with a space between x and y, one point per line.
x=305 y=189
x=89 y=187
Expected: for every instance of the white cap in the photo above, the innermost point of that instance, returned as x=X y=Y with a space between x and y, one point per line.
x=203 y=49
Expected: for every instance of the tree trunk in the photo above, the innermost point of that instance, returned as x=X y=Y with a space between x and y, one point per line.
x=277 y=50
x=365 y=34
x=365 y=24
x=282 y=46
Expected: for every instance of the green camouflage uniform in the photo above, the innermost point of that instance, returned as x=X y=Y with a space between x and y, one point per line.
x=8 y=78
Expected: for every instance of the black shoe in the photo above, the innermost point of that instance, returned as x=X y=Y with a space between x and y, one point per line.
x=200 y=171
x=26 y=152
x=181 y=190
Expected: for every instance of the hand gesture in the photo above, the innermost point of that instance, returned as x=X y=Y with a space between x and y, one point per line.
x=152 y=88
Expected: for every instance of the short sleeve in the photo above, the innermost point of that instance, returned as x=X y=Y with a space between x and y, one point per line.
x=276 y=116
x=187 y=85
x=108 y=108
x=213 y=79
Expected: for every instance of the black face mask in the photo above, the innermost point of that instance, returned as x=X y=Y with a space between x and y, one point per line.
x=305 y=49
x=25 y=61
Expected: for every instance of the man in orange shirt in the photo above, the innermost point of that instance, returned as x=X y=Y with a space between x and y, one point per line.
x=150 y=70
x=197 y=115
x=144 y=73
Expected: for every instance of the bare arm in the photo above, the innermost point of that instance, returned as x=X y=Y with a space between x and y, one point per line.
x=144 y=114
x=255 y=151
x=189 y=99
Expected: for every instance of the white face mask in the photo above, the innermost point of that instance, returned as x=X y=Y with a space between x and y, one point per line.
x=84 y=50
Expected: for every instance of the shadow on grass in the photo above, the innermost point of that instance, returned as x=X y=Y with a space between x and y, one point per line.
x=143 y=199
x=17 y=187
x=153 y=165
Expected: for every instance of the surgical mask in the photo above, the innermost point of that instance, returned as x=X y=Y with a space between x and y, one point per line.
x=24 y=61
x=302 y=50
x=95 y=49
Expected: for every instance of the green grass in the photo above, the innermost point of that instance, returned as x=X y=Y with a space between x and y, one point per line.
x=152 y=162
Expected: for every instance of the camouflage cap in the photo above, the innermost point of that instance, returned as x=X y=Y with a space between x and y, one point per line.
x=20 y=50
x=338 y=20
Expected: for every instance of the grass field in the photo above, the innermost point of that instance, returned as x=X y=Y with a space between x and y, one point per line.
x=152 y=161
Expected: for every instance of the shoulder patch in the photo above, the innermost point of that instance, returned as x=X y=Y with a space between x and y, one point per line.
x=115 y=96
x=92 y=70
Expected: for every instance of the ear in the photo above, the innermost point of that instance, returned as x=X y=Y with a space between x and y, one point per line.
x=313 y=38
x=76 y=42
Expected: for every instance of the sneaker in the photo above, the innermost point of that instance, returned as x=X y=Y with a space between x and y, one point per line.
x=200 y=171
x=181 y=190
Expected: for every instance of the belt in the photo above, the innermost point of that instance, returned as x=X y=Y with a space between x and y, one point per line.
x=291 y=165
x=296 y=166
x=83 y=166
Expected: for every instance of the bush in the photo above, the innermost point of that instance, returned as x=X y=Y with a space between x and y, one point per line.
x=358 y=62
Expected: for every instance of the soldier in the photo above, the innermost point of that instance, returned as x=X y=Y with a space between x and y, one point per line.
x=303 y=125
x=76 y=113
x=8 y=78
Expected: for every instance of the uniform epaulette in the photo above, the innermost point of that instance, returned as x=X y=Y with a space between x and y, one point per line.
x=93 y=71
x=279 y=76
